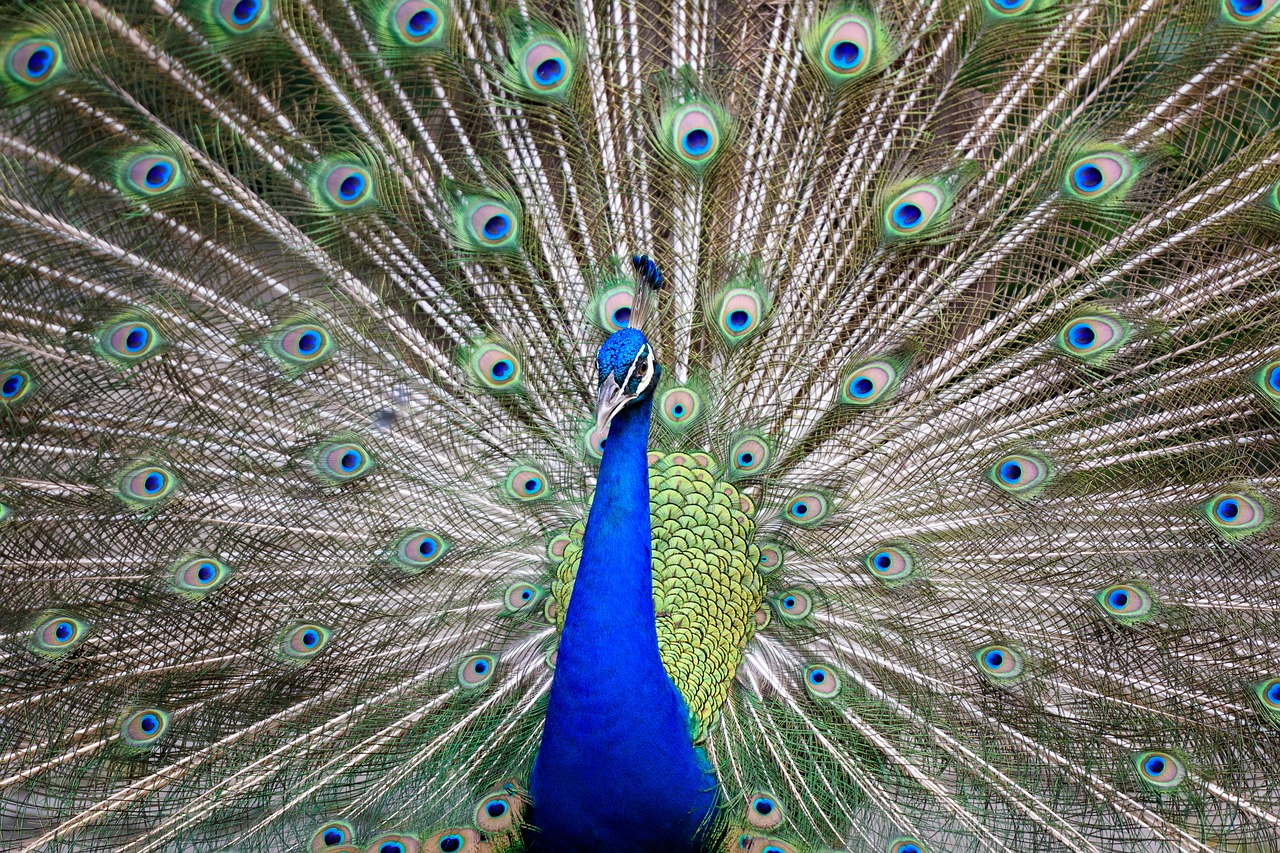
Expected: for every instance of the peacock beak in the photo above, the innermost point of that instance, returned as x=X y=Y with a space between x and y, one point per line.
x=611 y=401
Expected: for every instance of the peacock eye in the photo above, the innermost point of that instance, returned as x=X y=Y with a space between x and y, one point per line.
x=1159 y=769
x=1236 y=515
x=1092 y=337
x=143 y=728
x=1021 y=474
x=416 y=23
x=1248 y=12
x=998 y=663
x=1100 y=175
x=302 y=642
x=57 y=635
x=821 y=681
x=197 y=577
x=1126 y=603
x=476 y=671
x=34 y=62
x=891 y=563
x=332 y=834
x=794 y=605
x=764 y=812
x=240 y=16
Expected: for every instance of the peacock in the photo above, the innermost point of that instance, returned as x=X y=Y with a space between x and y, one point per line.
x=493 y=425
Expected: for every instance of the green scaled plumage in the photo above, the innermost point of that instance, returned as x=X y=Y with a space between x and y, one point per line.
x=963 y=458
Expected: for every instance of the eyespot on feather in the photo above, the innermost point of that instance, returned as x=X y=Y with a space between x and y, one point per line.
x=486 y=224
x=915 y=211
x=1010 y=10
x=1126 y=603
x=527 y=483
x=999 y=664
x=418 y=549
x=56 y=635
x=891 y=564
x=546 y=68
x=501 y=810
x=807 y=509
x=763 y=811
x=793 y=605
x=417 y=23
x=821 y=681
x=749 y=455
x=395 y=842
x=148 y=174
x=335 y=833
x=16 y=386
x=33 y=62
x=238 y=17
x=679 y=408
x=299 y=346
x=692 y=134
x=496 y=368
x=302 y=641
x=1159 y=769
x=522 y=596
x=342 y=462
x=770 y=557
x=1092 y=337
x=1106 y=174
x=844 y=47
x=1267 y=695
x=1249 y=13
x=906 y=844
x=127 y=341
x=1236 y=515
x=1267 y=380
x=1021 y=474
x=341 y=186
x=476 y=671
x=613 y=308
x=740 y=314
x=142 y=729
x=145 y=486
x=457 y=840
x=869 y=383
x=196 y=577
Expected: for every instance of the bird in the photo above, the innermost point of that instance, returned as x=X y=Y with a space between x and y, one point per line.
x=614 y=425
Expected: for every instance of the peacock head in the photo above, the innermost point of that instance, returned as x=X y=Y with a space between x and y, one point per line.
x=628 y=373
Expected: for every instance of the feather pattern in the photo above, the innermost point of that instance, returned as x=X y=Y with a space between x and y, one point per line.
x=962 y=462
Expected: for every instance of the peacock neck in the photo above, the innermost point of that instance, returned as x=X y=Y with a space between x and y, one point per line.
x=616 y=768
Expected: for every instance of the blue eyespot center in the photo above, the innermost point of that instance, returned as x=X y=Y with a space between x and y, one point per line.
x=310 y=638
x=532 y=485
x=549 y=71
x=745 y=459
x=993 y=659
x=497 y=226
x=480 y=667
x=526 y=594
x=501 y=369
x=334 y=837
x=351 y=187
x=12 y=385
x=738 y=320
x=1006 y=4
x=817 y=677
x=800 y=509
x=63 y=631
x=391 y=847
x=158 y=175
x=862 y=387
x=883 y=561
x=245 y=10
x=1118 y=599
x=149 y=723
x=1229 y=509
x=308 y=343
x=622 y=317
x=789 y=602
x=1011 y=472
x=350 y=461
x=427 y=547
x=496 y=808
x=845 y=55
x=908 y=848
x=153 y=483
x=1273 y=693
x=205 y=572
x=697 y=142
x=421 y=22
x=1081 y=335
x=137 y=339
x=451 y=843
x=1246 y=7
x=907 y=215
x=763 y=806
x=1154 y=765
x=40 y=61
x=1274 y=379
x=1088 y=177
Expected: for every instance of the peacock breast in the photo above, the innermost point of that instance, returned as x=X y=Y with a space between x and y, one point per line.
x=707 y=586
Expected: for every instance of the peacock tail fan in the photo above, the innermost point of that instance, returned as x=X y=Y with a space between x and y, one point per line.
x=963 y=458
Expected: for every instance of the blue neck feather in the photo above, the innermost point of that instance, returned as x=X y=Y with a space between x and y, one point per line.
x=617 y=769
